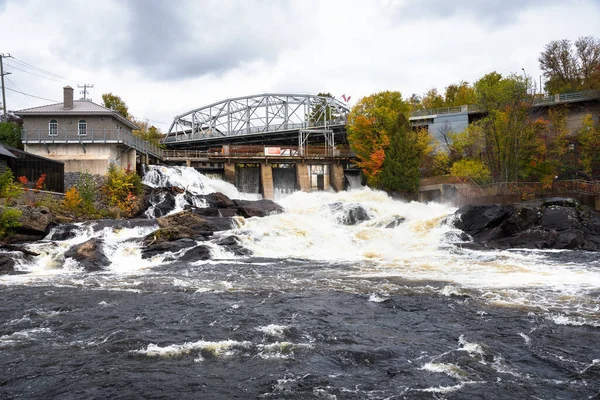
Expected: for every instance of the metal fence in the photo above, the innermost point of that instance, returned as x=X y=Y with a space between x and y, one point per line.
x=92 y=136
x=32 y=167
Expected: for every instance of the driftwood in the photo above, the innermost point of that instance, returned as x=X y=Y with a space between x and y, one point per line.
x=12 y=247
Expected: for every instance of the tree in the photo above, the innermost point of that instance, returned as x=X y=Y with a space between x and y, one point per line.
x=432 y=99
x=589 y=145
x=317 y=116
x=370 y=125
x=509 y=133
x=459 y=95
x=401 y=166
x=10 y=134
x=571 y=67
x=149 y=133
x=473 y=169
x=114 y=102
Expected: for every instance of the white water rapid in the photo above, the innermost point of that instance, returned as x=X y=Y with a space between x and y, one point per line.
x=399 y=241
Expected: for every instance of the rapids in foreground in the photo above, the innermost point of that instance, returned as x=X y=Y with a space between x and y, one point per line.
x=328 y=305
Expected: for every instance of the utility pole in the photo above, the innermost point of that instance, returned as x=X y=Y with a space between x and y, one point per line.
x=85 y=87
x=2 y=73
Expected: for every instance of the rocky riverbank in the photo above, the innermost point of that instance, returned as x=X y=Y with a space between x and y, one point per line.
x=555 y=223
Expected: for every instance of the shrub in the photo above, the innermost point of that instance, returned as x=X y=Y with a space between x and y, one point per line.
x=72 y=199
x=474 y=169
x=9 y=219
x=8 y=188
x=121 y=188
x=87 y=191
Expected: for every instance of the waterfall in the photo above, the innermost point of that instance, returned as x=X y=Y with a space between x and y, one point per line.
x=284 y=181
x=248 y=179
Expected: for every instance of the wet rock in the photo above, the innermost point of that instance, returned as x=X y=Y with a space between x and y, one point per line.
x=558 y=223
x=228 y=241
x=560 y=218
x=185 y=219
x=257 y=208
x=89 y=255
x=161 y=202
x=116 y=224
x=64 y=232
x=474 y=218
x=204 y=211
x=163 y=246
x=349 y=214
x=395 y=223
x=219 y=200
x=201 y=252
x=7 y=265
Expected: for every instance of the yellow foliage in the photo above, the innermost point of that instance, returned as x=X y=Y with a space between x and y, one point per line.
x=72 y=199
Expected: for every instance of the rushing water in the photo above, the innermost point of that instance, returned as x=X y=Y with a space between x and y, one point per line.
x=384 y=309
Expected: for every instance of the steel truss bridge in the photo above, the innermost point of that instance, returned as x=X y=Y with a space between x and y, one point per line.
x=274 y=118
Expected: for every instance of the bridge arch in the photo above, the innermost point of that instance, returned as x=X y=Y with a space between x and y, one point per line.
x=261 y=114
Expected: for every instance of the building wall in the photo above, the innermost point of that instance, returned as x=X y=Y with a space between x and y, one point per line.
x=92 y=158
x=454 y=122
x=96 y=125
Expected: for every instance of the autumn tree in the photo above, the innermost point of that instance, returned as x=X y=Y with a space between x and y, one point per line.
x=114 y=102
x=401 y=166
x=589 y=145
x=508 y=132
x=432 y=99
x=148 y=132
x=370 y=125
x=569 y=67
x=459 y=95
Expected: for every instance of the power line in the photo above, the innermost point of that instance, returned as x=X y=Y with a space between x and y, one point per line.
x=40 y=76
x=41 y=70
x=31 y=95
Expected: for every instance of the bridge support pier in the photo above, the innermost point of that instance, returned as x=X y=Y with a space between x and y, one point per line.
x=337 y=177
x=266 y=180
x=188 y=163
x=229 y=173
x=303 y=177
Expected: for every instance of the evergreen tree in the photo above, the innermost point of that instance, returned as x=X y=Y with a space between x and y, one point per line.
x=400 y=172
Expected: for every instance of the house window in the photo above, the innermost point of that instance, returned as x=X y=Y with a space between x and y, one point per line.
x=53 y=128
x=82 y=127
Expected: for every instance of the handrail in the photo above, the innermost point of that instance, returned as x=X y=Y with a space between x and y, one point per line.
x=537 y=101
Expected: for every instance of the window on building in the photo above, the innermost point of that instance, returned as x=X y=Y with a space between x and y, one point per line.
x=82 y=127
x=53 y=128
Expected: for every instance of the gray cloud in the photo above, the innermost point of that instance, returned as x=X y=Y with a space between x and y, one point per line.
x=173 y=40
x=491 y=12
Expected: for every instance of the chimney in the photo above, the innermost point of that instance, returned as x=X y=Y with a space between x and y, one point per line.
x=68 y=98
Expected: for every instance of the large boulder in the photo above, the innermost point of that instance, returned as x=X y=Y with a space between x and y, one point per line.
x=160 y=202
x=257 y=208
x=558 y=223
x=159 y=247
x=64 y=232
x=201 y=252
x=89 y=255
x=35 y=221
x=219 y=200
x=350 y=213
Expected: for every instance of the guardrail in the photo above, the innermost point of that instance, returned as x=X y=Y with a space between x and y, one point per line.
x=531 y=189
x=64 y=136
x=253 y=151
x=537 y=101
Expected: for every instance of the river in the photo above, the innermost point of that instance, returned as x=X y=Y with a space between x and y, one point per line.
x=387 y=308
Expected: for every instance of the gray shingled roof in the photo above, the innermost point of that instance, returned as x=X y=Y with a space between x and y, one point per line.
x=4 y=152
x=80 y=107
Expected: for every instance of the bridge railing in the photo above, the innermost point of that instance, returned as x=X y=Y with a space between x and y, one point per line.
x=527 y=190
x=64 y=136
x=260 y=151
x=537 y=101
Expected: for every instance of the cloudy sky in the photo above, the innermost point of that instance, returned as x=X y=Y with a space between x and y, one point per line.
x=164 y=57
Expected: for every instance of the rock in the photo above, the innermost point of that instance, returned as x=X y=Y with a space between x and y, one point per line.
x=560 y=218
x=162 y=246
x=549 y=224
x=474 y=218
x=7 y=265
x=89 y=255
x=219 y=200
x=116 y=224
x=35 y=221
x=257 y=208
x=64 y=232
x=204 y=211
x=161 y=202
x=197 y=253
x=395 y=223
x=185 y=219
x=349 y=213
x=169 y=234
x=228 y=241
